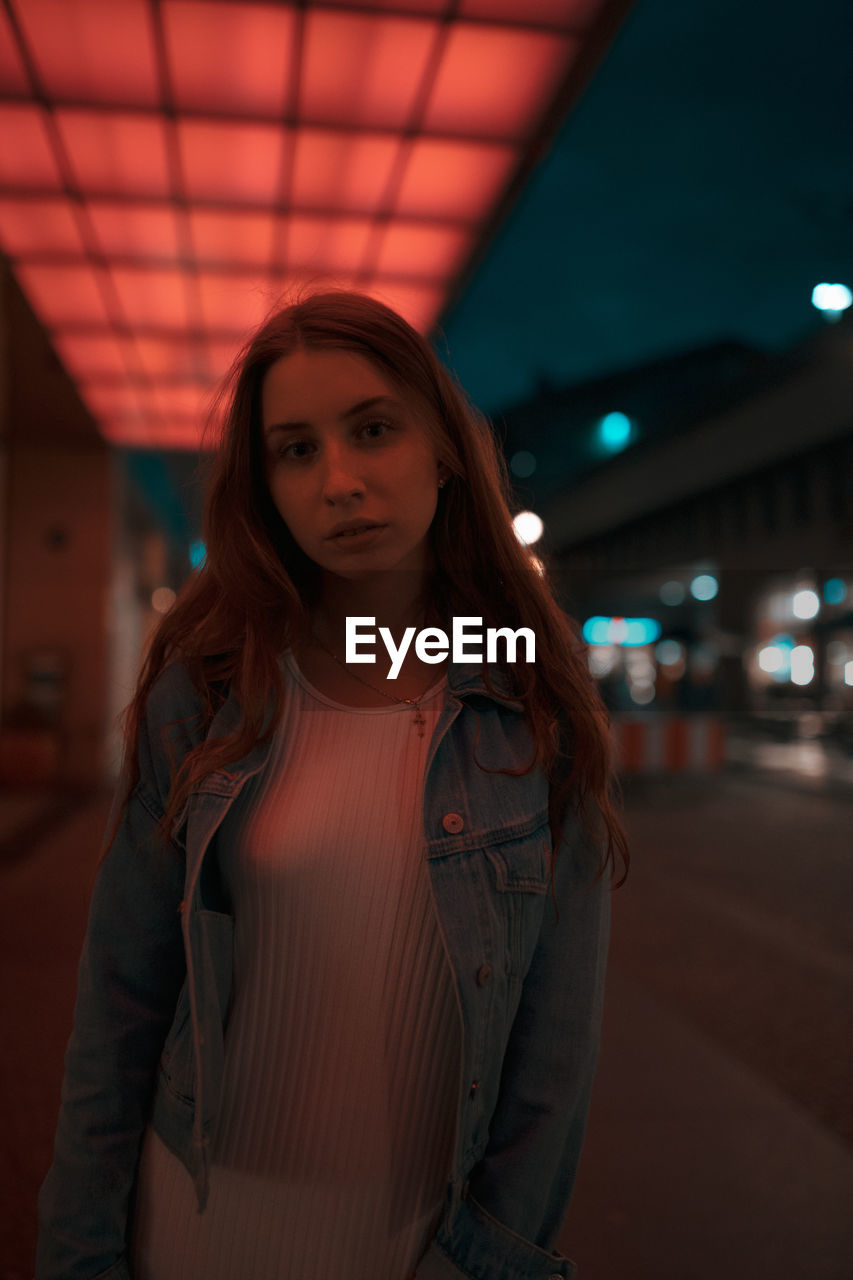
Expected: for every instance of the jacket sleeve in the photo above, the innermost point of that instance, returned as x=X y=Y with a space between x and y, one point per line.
x=129 y=977
x=517 y=1195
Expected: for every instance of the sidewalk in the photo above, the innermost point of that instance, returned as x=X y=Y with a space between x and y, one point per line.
x=720 y=1141
x=695 y=1166
x=28 y=814
x=809 y=763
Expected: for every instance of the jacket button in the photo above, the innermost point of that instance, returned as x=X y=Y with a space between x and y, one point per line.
x=453 y=823
x=484 y=975
x=474 y=1087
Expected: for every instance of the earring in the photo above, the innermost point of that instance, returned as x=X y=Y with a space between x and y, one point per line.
x=442 y=482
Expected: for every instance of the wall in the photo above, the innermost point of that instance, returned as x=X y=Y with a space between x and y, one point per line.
x=56 y=521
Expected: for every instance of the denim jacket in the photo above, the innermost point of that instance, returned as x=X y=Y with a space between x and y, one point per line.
x=526 y=939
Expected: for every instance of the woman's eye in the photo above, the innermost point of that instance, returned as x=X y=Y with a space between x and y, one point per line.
x=378 y=425
x=285 y=451
x=379 y=422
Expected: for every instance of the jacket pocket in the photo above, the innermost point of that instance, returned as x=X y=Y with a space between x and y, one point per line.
x=520 y=877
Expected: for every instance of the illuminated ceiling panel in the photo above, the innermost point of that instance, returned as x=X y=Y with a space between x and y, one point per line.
x=39 y=226
x=422 y=249
x=150 y=297
x=229 y=58
x=225 y=235
x=27 y=159
x=98 y=51
x=133 y=229
x=453 y=179
x=341 y=170
x=115 y=153
x=166 y=359
x=491 y=81
x=12 y=74
x=65 y=296
x=342 y=242
x=230 y=161
x=234 y=302
x=367 y=70
x=579 y=14
x=95 y=355
x=173 y=169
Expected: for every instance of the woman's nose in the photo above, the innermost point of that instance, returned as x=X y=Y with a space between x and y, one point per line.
x=340 y=472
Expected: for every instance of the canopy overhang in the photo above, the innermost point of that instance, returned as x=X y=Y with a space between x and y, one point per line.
x=172 y=169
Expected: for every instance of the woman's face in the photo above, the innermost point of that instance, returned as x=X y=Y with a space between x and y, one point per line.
x=341 y=443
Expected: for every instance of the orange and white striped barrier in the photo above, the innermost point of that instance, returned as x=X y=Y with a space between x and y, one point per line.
x=669 y=744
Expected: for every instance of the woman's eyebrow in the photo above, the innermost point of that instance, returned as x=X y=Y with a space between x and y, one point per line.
x=369 y=403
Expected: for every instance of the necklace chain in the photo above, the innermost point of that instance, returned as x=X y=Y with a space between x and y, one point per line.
x=412 y=702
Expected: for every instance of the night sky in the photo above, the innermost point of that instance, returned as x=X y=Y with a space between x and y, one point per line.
x=698 y=191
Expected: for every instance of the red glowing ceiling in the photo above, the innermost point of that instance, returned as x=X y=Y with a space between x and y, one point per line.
x=170 y=169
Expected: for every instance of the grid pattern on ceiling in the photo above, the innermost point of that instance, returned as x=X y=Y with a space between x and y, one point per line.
x=171 y=169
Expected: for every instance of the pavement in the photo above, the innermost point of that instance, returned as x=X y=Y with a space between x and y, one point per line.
x=720 y=1140
x=29 y=814
x=808 y=763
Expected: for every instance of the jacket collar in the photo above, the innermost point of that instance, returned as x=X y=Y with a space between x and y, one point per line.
x=467 y=677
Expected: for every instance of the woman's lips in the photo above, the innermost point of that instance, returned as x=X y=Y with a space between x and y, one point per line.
x=360 y=537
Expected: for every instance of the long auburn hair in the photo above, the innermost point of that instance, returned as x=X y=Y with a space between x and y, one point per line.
x=250 y=598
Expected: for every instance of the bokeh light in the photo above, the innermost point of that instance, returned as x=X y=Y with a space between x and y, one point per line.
x=162 y=599
x=672 y=593
x=806 y=604
x=770 y=659
x=834 y=591
x=774 y=658
x=630 y=632
x=602 y=659
x=528 y=527
x=704 y=586
x=522 y=464
x=831 y=297
x=614 y=431
x=669 y=653
x=640 y=674
x=802 y=665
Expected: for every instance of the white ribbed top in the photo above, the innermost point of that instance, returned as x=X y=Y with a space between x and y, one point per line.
x=334 y=1142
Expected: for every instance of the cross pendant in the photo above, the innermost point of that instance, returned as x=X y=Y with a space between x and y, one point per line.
x=420 y=721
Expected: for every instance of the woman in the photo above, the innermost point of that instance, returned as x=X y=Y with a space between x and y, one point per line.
x=325 y=1024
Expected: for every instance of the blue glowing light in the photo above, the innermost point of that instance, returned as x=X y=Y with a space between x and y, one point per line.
x=704 y=587
x=198 y=552
x=834 y=591
x=614 y=431
x=629 y=632
x=784 y=645
x=597 y=630
x=831 y=297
